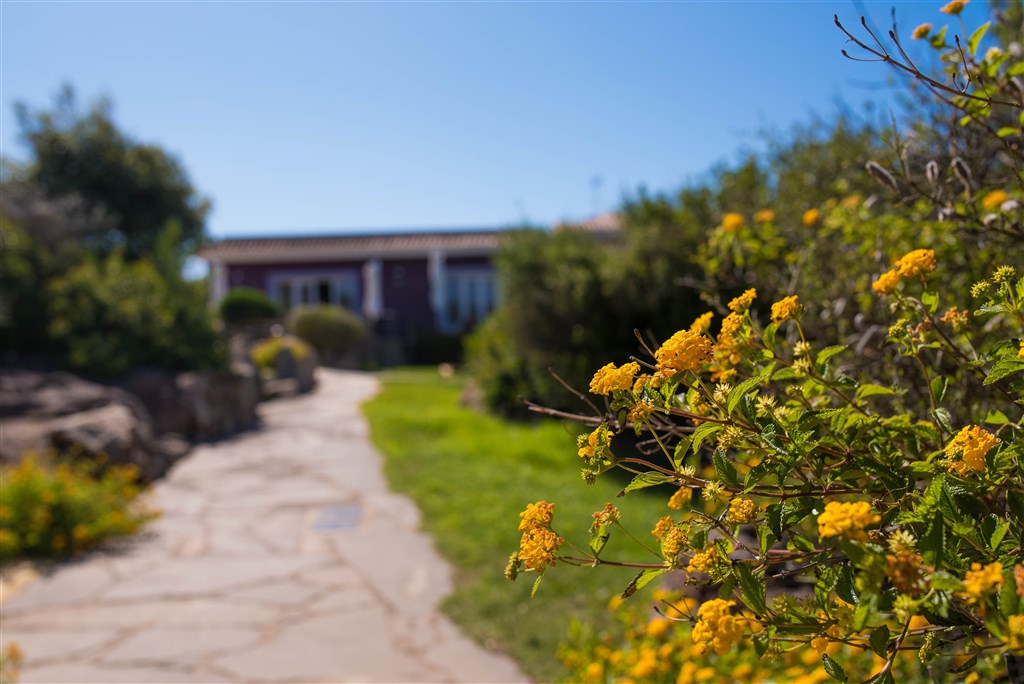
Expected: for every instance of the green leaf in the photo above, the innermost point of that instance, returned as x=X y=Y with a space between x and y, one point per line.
x=680 y=451
x=642 y=580
x=834 y=669
x=644 y=480
x=773 y=518
x=869 y=390
x=827 y=353
x=1008 y=601
x=725 y=469
x=1008 y=131
x=933 y=543
x=975 y=39
x=536 y=584
x=1003 y=367
x=944 y=420
x=741 y=389
x=966 y=667
x=996 y=417
x=879 y=641
x=753 y=588
x=703 y=431
x=597 y=543
x=938 y=387
x=997 y=535
x=943 y=581
x=1016 y=69
x=930 y=301
x=846 y=589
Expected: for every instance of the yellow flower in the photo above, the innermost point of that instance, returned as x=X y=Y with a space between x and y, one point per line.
x=741 y=511
x=672 y=542
x=993 y=199
x=657 y=627
x=732 y=222
x=841 y=519
x=716 y=628
x=681 y=497
x=954 y=7
x=647 y=664
x=1020 y=354
x=702 y=323
x=640 y=411
x=686 y=350
x=662 y=526
x=537 y=515
x=764 y=216
x=743 y=302
x=980 y=581
x=594 y=444
x=609 y=378
x=921 y=31
x=703 y=560
x=537 y=548
x=1015 y=633
x=886 y=282
x=916 y=263
x=811 y=217
x=785 y=309
x=594 y=672
x=606 y=516
x=851 y=201
x=968 y=448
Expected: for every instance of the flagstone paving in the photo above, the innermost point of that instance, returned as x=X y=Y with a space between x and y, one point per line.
x=279 y=556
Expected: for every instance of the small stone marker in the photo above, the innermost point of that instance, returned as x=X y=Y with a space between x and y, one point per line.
x=338 y=517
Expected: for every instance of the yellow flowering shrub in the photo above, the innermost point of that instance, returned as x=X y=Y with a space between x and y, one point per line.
x=732 y=222
x=856 y=497
x=609 y=378
x=63 y=510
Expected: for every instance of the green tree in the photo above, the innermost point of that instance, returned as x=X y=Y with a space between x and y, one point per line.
x=137 y=188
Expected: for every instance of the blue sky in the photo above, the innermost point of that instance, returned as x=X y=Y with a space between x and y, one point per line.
x=308 y=117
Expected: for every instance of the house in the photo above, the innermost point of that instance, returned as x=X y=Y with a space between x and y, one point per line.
x=405 y=285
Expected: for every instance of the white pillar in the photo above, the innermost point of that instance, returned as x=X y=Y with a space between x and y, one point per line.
x=373 y=299
x=218 y=282
x=435 y=280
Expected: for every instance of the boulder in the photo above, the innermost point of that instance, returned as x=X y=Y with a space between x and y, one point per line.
x=58 y=411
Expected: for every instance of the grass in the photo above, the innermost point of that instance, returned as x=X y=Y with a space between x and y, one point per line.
x=471 y=475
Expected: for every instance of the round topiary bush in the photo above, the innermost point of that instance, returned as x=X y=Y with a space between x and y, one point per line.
x=331 y=330
x=244 y=305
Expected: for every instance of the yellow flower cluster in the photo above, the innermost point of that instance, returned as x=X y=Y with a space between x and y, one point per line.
x=703 y=560
x=732 y=222
x=609 y=378
x=980 y=581
x=702 y=323
x=662 y=526
x=847 y=519
x=811 y=217
x=594 y=444
x=921 y=31
x=686 y=350
x=785 y=309
x=681 y=497
x=672 y=542
x=539 y=543
x=742 y=303
x=606 y=516
x=1015 y=633
x=741 y=511
x=994 y=199
x=911 y=265
x=967 y=450
x=764 y=216
x=716 y=627
x=886 y=282
x=536 y=515
x=954 y=7
x=916 y=263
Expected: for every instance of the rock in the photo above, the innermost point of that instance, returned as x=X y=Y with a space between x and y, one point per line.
x=46 y=411
x=199 y=405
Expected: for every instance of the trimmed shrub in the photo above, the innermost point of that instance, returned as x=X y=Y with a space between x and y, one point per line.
x=243 y=305
x=66 y=510
x=331 y=330
x=264 y=353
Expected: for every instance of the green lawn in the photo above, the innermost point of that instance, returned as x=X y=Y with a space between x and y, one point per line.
x=471 y=475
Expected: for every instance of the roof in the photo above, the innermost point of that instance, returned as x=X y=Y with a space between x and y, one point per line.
x=601 y=224
x=351 y=246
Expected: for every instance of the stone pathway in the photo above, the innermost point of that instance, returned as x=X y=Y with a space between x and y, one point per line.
x=280 y=556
